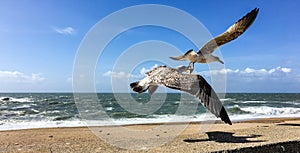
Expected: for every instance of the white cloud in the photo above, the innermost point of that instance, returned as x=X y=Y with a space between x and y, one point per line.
x=123 y=75
x=286 y=70
x=19 y=77
x=144 y=70
x=120 y=75
x=65 y=31
x=278 y=79
x=266 y=72
x=250 y=74
x=247 y=74
x=249 y=71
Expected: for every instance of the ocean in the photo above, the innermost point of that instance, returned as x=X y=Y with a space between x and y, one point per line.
x=43 y=110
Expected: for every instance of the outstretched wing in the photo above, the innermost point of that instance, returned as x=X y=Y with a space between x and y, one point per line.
x=231 y=33
x=183 y=57
x=197 y=86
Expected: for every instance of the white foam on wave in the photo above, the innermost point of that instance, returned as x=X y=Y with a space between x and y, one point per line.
x=265 y=110
x=17 y=125
x=39 y=124
x=109 y=108
x=165 y=119
x=255 y=113
x=253 y=101
x=22 y=107
x=227 y=99
x=291 y=102
x=21 y=100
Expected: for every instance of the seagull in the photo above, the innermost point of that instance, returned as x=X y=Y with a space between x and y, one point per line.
x=193 y=84
x=204 y=54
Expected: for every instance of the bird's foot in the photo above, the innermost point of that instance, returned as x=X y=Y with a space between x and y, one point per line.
x=189 y=70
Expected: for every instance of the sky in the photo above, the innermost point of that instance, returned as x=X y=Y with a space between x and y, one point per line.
x=40 y=41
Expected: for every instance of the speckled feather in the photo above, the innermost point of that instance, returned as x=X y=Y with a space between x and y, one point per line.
x=191 y=83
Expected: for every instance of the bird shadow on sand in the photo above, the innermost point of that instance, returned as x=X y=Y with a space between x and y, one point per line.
x=288 y=124
x=225 y=137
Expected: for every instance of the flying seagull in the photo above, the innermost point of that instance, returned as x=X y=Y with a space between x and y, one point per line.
x=204 y=54
x=191 y=83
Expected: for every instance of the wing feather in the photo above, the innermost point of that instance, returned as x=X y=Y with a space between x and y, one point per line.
x=191 y=83
x=231 y=33
x=197 y=86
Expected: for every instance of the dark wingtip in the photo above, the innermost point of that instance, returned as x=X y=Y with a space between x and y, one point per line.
x=249 y=18
x=224 y=116
x=256 y=10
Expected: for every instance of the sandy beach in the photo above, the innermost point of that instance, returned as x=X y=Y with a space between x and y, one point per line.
x=264 y=135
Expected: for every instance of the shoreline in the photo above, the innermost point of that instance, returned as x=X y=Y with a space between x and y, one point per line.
x=242 y=136
x=217 y=121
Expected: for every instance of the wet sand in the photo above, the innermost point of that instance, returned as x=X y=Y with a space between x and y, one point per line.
x=263 y=135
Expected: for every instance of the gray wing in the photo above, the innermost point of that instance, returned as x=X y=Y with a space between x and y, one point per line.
x=197 y=86
x=231 y=33
x=182 y=57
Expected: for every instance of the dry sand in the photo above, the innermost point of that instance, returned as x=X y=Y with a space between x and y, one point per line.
x=264 y=135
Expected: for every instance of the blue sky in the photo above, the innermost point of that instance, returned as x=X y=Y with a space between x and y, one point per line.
x=39 y=42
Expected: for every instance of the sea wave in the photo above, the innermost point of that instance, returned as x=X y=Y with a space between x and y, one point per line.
x=156 y=119
x=253 y=101
x=236 y=110
x=265 y=110
x=227 y=99
x=20 y=107
x=39 y=124
x=59 y=110
x=21 y=100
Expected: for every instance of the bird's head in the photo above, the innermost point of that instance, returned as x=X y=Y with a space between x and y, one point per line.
x=150 y=82
x=138 y=87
